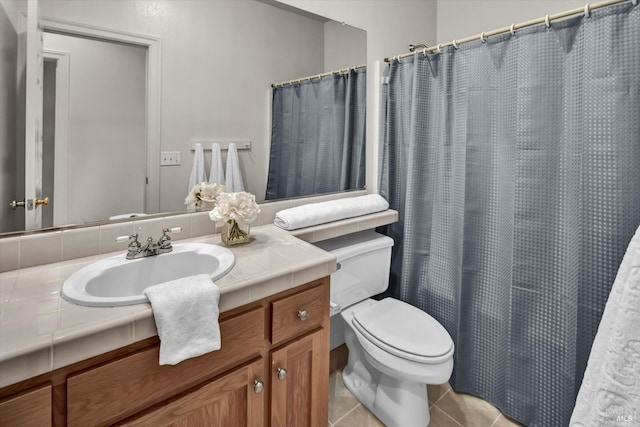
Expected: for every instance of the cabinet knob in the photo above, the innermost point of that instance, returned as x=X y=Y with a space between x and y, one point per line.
x=258 y=386
x=282 y=373
x=302 y=314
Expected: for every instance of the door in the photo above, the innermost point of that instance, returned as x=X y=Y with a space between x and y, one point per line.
x=237 y=399
x=299 y=386
x=33 y=121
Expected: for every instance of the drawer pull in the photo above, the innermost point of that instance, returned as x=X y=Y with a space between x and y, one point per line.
x=302 y=314
x=258 y=386
x=282 y=373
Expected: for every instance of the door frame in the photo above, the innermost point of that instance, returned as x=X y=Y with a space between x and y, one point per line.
x=153 y=93
x=62 y=60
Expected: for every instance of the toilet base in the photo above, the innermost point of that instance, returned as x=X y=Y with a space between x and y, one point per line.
x=397 y=403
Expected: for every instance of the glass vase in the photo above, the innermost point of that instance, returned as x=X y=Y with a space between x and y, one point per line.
x=233 y=233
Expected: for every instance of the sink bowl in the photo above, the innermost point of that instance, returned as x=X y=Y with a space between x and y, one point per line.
x=116 y=281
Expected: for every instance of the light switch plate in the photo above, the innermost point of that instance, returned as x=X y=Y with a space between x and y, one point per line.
x=169 y=158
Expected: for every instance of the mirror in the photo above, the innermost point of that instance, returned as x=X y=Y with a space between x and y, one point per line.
x=217 y=61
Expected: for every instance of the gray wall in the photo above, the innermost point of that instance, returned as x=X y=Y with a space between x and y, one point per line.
x=343 y=46
x=461 y=18
x=219 y=59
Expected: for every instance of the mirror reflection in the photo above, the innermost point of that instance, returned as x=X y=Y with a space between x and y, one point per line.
x=218 y=60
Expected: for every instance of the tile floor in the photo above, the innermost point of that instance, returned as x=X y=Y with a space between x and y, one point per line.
x=447 y=408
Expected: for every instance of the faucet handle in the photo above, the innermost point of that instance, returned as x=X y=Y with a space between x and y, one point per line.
x=165 y=231
x=133 y=239
x=134 y=247
x=164 y=240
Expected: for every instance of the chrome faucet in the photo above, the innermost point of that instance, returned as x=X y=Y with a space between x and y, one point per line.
x=136 y=250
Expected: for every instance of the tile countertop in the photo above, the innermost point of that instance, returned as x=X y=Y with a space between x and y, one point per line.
x=40 y=331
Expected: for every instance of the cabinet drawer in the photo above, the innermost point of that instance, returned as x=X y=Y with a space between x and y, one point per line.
x=121 y=388
x=299 y=313
x=30 y=409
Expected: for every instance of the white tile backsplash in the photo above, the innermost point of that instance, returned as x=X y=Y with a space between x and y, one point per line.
x=9 y=253
x=40 y=248
x=80 y=242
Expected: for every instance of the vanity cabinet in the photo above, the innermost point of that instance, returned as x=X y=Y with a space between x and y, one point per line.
x=272 y=369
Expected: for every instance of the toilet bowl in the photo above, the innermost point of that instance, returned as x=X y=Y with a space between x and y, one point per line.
x=395 y=349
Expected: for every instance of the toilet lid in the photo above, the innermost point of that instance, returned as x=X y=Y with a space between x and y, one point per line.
x=403 y=330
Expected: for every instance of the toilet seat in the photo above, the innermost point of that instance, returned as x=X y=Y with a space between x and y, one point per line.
x=391 y=325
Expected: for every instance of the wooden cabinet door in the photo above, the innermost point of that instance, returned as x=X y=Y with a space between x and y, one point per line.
x=29 y=409
x=299 y=382
x=232 y=400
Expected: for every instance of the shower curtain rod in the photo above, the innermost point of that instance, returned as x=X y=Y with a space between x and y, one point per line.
x=319 y=76
x=511 y=29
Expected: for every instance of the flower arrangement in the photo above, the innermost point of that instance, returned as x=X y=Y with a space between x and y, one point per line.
x=204 y=195
x=235 y=211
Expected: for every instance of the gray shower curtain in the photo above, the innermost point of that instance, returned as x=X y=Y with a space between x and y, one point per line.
x=318 y=136
x=515 y=167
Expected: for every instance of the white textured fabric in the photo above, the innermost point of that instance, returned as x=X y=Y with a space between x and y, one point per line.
x=610 y=391
x=197 y=170
x=334 y=210
x=234 y=182
x=216 y=175
x=186 y=314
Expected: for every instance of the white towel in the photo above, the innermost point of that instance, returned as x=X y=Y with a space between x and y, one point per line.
x=216 y=175
x=233 y=182
x=610 y=390
x=186 y=313
x=334 y=210
x=197 y=170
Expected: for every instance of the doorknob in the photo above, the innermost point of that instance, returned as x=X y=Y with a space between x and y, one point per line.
x=15 y=204
x=44 y=201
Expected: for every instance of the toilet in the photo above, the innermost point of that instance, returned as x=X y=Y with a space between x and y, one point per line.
x=395 y=349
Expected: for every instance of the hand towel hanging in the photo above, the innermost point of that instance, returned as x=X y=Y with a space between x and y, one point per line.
x=197 y=170
x=234 y=177
x=216 y=175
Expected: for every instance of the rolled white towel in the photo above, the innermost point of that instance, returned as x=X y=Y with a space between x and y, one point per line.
x=186 y=314
x=334 y=210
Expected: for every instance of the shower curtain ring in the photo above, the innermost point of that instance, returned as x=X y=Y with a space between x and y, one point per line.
x=587 y=10
x=424 y=52
x=455 y=45
x=439 y=47
x=482 y=37
x=512 y=29
x=547 y=22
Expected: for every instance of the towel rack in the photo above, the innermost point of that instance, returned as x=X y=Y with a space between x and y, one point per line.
x=241 y=144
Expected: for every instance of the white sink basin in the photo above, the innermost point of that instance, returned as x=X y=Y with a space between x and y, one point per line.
x=117 y=281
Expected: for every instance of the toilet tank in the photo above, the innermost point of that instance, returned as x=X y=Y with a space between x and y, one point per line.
x=364 y=261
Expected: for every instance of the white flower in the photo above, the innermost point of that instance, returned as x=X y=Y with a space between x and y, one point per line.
x=240 y=207
x=206 y=192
